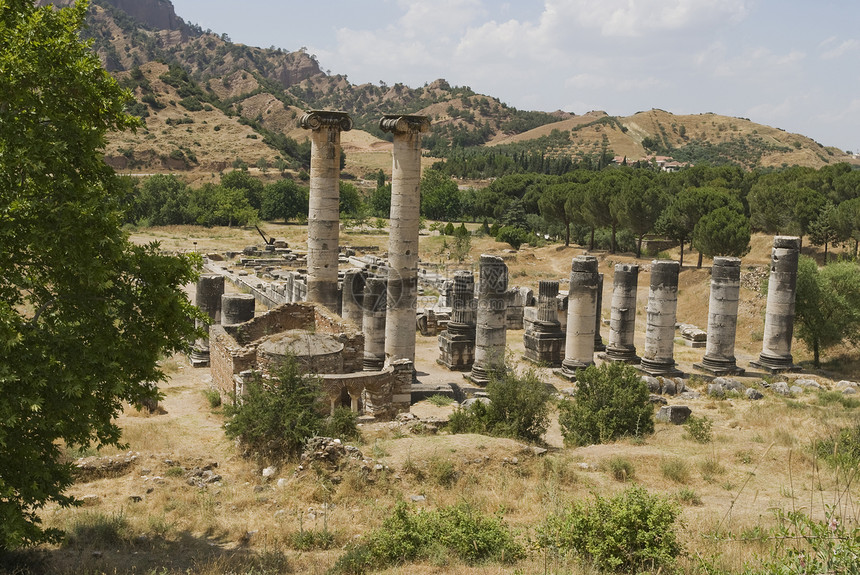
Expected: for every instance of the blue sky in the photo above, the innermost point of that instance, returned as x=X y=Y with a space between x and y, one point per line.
x=790 y=64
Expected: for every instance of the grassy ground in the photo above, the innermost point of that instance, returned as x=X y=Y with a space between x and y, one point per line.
x=149 y=519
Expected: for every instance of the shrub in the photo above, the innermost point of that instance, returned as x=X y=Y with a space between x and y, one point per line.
x=621 y=468
x=458 y=530
x=518 y=408
x=841 y=448
x=213 y=396
x=276 y=417
x=611 y=402
x=343 y=424
x=514 y=236
x=675 y=469
x=699 y=429
x=440 y=400
x=631 y=532
x=806 y=545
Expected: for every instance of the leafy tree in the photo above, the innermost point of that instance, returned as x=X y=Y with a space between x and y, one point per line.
x=825 y=229
x=283 y=199
x=380 y=201
x=440 y=198
x=251 y=187
x=161 y=200
x=639 y=206
x=555 y=207
x=723 y=232
x=514 y=236
x=350 y=199
x=848 y=220
x=232 y=206
x=679 y=219
x=84 y=314
x=827 y=305
x=611 y=402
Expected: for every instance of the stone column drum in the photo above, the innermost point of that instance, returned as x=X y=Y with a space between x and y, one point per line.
x=544 y=340
x=324 y=204
x=491 y=330
x=374 y=323
x=622 y=316
x=598 y=339
x=719 y=358
x=403 y=238
x=457 y=342
x=207 y=297
x=658 y=357
x=775 y=355
x=352 y=301
x=237 y=308
x=581 y=312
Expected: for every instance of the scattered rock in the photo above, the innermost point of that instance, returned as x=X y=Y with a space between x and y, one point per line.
x=89 y=468
x=583 y=465
x=473 y=400
x=282 y=483
x=675 y=414
x=781 y=388
x=754 y=394
x=269 y=472
x=652 y=382
x=417 y=498
x=716 y=390
x=90 y=500
x=535 y=451
x=796 y=389
x=849 y=391
x=657 y=399
x=669 y=386
x=845 y=383
x=806 y=382
x=690 y=394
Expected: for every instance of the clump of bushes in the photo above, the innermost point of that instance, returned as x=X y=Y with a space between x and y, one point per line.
x=276 y=416
x=518 y=408
x=457 y=530
x=631 y=532
x=611 y=402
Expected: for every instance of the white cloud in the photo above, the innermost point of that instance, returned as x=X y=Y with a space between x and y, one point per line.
x=840 y=50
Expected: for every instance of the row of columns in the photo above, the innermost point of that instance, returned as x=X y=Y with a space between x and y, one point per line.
x=220 y=307
x=583 y=321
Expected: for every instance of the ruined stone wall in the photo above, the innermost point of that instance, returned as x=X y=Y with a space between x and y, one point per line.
x=348 y=334
x=281 y=318
x=227 y=357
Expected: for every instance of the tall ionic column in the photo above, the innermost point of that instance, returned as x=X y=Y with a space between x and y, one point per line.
x=779 y=318
x=581 y=312
x=207 y=297
x=457 y=342
x=491 y=327
x=374 y=323
x=598 y=339
x=403 y=238
x=622 y=315
x=719 y=356
x=324 y=204
x=352 y=299
x=659 y=358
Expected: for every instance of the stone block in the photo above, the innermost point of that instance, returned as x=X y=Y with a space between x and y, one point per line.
x=674 y=414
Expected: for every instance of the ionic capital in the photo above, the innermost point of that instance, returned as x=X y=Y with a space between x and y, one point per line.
x=404 y=124
x=316 y=119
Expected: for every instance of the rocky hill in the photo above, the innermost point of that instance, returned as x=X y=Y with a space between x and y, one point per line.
x=224 y=103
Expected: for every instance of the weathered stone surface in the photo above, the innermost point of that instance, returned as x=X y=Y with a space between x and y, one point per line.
x=716 y=390
x=806 y=382
x=849 y=391
x=653 y=383
x=582 y=315
x=491 y=328
x=622 y=319
x=658 y=356
x=690 y=394
x=781 y=388
x=675 y=414
x=657 y=399
x=753 y=393
x=796 y=389
x=719 y=357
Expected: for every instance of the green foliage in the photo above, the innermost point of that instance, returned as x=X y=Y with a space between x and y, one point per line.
x=440 y=198
x=457 y=530
x=310 y=540
x=827 y=305
x=213 y=396
x=350 y=199
x=611 y=402
x=723 y=232
x=807 y=545
x=284 y=199
x=440 y=400
x=513 y=236
x=84 y=314
x=275 y=417
x=631 y=532
x=518 y=408
x=699 y=429
x=841 y=447
x=621 y=468
x=342 y=424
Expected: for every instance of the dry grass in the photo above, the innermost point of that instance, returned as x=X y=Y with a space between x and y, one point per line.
x=151 y=520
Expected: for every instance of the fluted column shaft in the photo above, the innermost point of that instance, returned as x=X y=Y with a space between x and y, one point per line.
x=622 y=319
x=658 y=357
x=581 y=313
x=719 y=357
x=403 y=238
x=374 y=323
x=779 y=317
x=324 y=204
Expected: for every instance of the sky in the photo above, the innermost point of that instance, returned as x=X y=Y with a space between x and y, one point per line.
x=790 y=64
